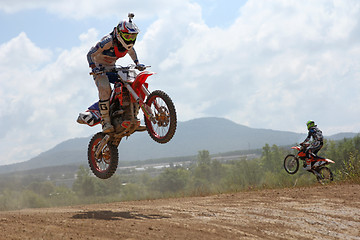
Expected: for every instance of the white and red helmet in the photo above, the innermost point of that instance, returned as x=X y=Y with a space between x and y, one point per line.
x=126 y=32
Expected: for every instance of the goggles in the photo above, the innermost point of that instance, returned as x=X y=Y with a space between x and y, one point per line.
x=128 y=36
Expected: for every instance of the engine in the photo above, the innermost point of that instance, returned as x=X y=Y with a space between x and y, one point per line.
x=123 y=110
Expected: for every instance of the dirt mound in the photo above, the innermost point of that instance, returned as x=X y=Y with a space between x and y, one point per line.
x=321 y=212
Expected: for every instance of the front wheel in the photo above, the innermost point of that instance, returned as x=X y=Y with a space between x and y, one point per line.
x=105 y=165
x=164 y=126
x=325 y=175
x=291 y=164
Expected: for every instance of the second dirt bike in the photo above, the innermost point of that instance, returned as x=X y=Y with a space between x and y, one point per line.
x=129 y=94
x=323 y=174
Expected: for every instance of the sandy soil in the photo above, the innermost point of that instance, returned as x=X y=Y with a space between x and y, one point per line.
x=321 y=212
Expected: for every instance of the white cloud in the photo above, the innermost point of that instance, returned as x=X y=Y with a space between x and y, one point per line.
x=41 y=99
x=22 y=52
x=278 y=64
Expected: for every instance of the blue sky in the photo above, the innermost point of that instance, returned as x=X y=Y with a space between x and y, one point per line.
x=54 y=31
x=264 y=64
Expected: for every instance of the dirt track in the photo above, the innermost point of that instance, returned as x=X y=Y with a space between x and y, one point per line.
x=322 y=212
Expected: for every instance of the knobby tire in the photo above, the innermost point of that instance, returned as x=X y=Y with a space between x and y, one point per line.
x=326 y=175
x=109 y=158
x=163 y=130
x=291 y=160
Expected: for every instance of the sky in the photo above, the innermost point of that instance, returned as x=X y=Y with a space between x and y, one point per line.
x=271 y=64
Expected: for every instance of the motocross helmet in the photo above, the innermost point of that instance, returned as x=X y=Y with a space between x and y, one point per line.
x=310 y=124
x=126 y=32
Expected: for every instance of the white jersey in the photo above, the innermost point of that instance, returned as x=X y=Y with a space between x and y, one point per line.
x=106 y=52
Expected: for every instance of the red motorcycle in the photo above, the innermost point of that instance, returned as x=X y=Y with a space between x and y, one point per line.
x=129 y=94
x=323 y=174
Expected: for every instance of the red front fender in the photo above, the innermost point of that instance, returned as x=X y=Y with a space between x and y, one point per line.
x=139 y=81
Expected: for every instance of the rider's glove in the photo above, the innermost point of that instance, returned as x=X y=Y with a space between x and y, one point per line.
x=96 y=70
x=140 y=67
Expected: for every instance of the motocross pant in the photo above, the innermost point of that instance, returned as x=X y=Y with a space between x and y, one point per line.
x=103 y=86
x=314 y=148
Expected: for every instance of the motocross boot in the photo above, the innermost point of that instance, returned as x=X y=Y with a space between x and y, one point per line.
x=104 y=106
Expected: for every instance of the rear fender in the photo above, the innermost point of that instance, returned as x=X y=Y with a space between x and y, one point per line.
x=325 y=160
x=90 y=117
x=328 y=160
x=322 y=162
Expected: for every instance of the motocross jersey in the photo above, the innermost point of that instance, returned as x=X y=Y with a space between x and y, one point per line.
x=316 y=134
x=107 y=51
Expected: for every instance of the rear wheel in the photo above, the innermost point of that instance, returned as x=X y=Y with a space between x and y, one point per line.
x=105 y=165
x=291 y=164
x=164 y=126
x=325 y=175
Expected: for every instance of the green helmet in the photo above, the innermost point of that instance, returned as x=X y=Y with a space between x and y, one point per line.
x=310 y=124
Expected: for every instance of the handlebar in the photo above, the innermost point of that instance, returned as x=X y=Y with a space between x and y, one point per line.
x=129 y=68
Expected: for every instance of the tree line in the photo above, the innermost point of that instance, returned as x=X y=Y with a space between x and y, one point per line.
x=200 y=177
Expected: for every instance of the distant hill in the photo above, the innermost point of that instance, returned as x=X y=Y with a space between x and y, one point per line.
x=216 y=135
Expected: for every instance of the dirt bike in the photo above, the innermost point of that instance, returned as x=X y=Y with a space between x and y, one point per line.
x=129 y=94
x=323 y=174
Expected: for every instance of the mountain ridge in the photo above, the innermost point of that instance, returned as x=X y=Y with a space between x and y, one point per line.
x=214 y=134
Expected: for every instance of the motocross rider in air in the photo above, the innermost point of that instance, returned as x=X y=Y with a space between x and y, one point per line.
x=104 y=55
x=315 y=145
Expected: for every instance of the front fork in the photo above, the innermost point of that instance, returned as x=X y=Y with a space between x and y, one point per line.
x=147 y=110
x=101 y=145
